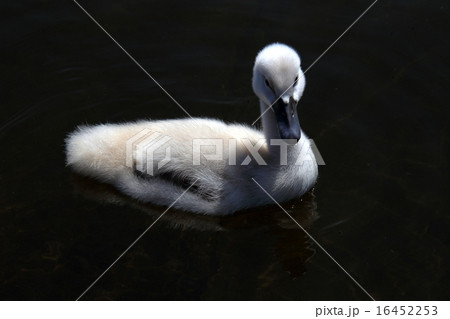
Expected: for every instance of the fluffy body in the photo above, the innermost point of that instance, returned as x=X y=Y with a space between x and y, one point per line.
x=222 y=187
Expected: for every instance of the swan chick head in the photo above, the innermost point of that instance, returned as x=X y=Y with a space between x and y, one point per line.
x=277 y=73
x=279 y=82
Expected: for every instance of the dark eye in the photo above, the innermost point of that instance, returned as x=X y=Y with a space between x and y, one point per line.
x=268 y=85
x=296 y=79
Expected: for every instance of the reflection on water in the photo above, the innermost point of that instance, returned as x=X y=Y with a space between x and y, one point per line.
x=290 y=244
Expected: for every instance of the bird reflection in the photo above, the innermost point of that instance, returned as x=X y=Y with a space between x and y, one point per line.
x=290 y=244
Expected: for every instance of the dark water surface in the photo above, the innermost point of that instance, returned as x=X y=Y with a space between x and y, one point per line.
x=376 y=105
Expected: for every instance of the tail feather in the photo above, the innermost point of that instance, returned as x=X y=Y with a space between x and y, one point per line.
x=96 y=152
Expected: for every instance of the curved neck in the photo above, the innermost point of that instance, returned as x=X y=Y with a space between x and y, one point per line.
x=269 y=122
x=273 y=139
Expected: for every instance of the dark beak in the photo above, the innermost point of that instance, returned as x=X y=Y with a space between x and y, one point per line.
x=287 y=119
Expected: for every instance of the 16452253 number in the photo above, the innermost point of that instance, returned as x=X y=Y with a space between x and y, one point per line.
x=407 y=310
